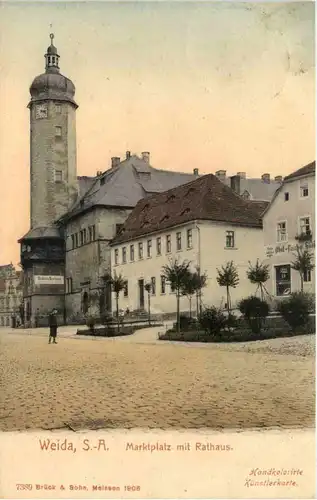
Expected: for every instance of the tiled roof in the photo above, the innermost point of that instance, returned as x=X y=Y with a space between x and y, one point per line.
x=307 y=170
x=259 y=206
x=206 y=198
x=126 y=184
x=258 y=189
x=42 y=232
x=85 y=183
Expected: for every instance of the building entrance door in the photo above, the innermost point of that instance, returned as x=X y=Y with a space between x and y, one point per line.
x=141 y=294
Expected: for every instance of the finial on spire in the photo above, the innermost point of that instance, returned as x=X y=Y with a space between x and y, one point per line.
x=52 y=38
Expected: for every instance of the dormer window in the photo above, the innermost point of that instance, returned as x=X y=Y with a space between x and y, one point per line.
x=186 y=211
x=171 y=198
x=166 y=217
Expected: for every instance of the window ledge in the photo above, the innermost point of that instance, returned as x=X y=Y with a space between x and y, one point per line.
x=231 y=248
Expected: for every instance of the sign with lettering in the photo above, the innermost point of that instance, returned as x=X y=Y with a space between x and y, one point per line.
x=48 y=280
x=272 y=250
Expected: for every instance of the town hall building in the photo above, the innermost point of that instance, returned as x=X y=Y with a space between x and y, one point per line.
x=66 y=252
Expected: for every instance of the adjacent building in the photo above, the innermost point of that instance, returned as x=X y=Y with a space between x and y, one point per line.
x=289 y=223
x=10 y=294
x=204 y=222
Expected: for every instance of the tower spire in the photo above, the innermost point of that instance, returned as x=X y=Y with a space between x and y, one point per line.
x=51 y=57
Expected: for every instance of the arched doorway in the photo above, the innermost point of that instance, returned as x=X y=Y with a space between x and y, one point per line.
x=85 y=302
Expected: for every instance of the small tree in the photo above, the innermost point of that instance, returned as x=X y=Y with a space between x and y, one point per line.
x=148 y=288
x=118 y=283
x=303 y=264
x=176 y=273
x=229 y=278
x=189 y=288
x=200 y=281
x=258 y=275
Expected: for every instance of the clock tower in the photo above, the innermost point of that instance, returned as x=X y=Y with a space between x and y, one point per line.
x=53 y=143
x=54 y=189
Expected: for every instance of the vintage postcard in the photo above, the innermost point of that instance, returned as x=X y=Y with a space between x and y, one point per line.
x=157 y=256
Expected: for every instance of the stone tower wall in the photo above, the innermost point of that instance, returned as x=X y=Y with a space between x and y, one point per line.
x=51 y=196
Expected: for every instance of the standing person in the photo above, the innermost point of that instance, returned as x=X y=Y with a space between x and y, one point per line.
x=53 y=326
x=37 y=317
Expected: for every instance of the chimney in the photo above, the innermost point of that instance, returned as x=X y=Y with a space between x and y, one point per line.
x=146 y=156
x=221 y=174
x=128 y=155
x=196 y=171
x=266 y=178
x=279 y=179
x=242 y=175
x=115 y=160
x=235 y=183
x=99 y=172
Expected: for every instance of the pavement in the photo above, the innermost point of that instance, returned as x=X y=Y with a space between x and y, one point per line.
x=138 y=381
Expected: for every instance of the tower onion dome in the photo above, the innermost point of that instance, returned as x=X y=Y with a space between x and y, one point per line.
x=51 y=84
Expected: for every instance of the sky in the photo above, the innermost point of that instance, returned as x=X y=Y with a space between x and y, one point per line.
x=221 y=85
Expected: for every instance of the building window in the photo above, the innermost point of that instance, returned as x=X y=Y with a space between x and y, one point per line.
x=58 y=131
x=229 y=239
x=149 y=248
x=283 y=280
x=92 y=233
x=132 y=253
x=58 y=176
x=76 y=240
x=304 y=224
x=84 y=236
x=172 y=289
x=178 y=241
x=168 y=243
x=69 y=285
x=189 y=238
x=125 y=290
x=140 y=250
x=163 y=284
x=286 y=196
x=58 y=109
x=307 y=276
x=81 y=237
x=158 y=246
x=73 y=240
x=281 y=232
x=124 y=255
x=304 y=191
x=153 y=285
x=118 y=228
x=116 y=256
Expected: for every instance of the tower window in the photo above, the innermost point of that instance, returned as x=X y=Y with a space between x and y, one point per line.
x=58 y=131
x=58 y=108
x=58 y=176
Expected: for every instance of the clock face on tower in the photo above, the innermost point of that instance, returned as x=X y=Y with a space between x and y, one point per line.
x=41 y=111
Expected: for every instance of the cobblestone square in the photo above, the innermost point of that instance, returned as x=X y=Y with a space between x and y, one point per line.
x=126 y=383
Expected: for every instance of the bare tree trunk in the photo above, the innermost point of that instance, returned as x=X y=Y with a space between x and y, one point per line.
x=197 y=306
x=190 y=306
x=117 y=307
x=177 y=312
x=301 y=282
x=228 y=301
